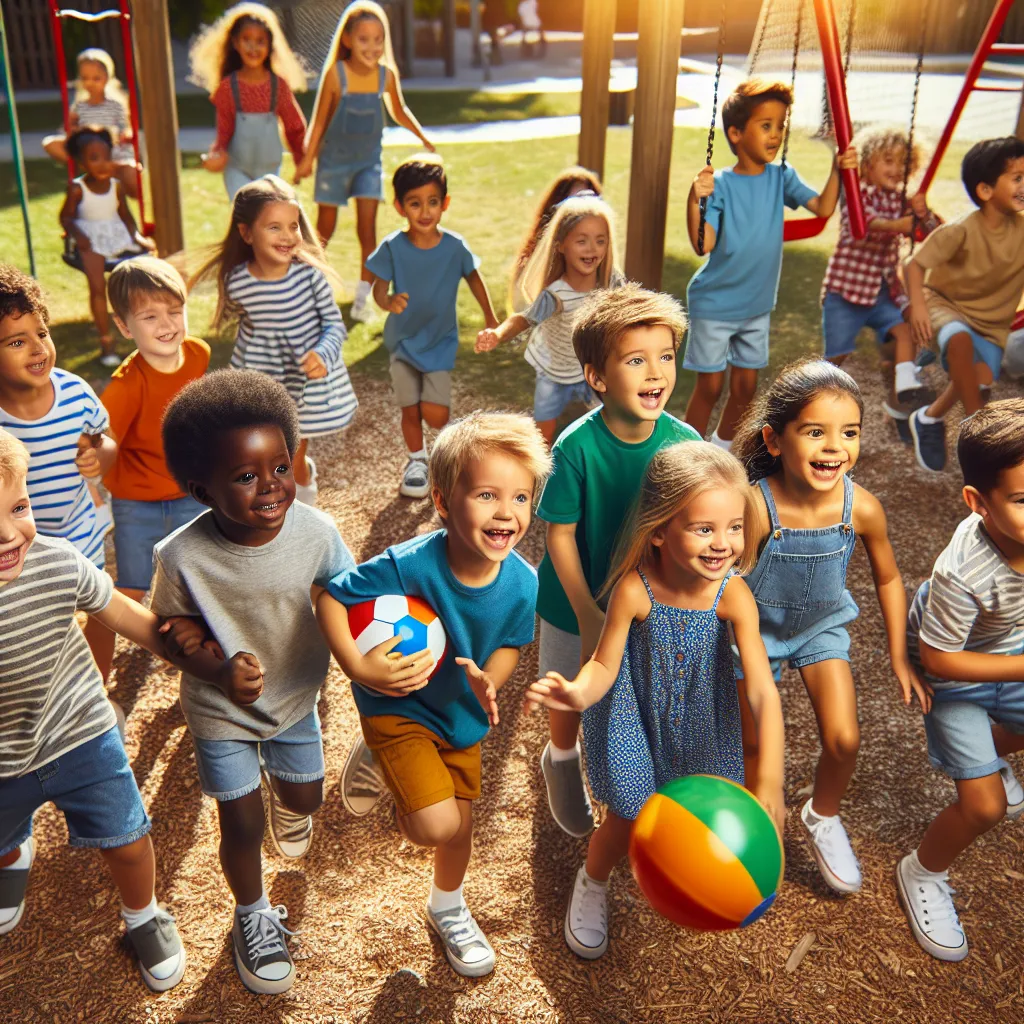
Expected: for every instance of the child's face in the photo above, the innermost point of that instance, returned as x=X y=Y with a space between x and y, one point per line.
x=156 y=323
x=27 y=352
x=761 y=137
x=489 y=508
x=706 y=537
x=1007 y=194
x=275 y=235
x=17 y=527
x=586 y=246
x=821 y=444
x=885 y=169
x=1002 y=507
x=422 y=207
x=95 y=159
x=93 y=78
x=250 y=482
x=252 y=44
x=639 y=374
x=366 y=41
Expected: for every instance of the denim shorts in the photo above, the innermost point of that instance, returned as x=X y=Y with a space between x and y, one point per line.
x=1013 y=354
x=550 y=398
x=842 y=321
x=92 y=785
x=985 y=351
x=336 y=184
x=138 y=527
x=229 y=769
x=959 y=727
x=711 y=345
x=831 y=644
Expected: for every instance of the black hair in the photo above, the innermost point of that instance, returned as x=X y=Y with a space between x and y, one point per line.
x=232 y=58
x=220 y=401
x=741 y=103
x=796 y=386
x=986 y=161
x=81 y=137
x=991 y=440
x=20 y=294
x=417 y=172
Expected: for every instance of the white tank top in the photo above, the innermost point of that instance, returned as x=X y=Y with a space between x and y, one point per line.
x=95 y=206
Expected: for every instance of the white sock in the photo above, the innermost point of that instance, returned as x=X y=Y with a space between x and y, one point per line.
x=133 y=918
x=723 y=444
x=926 y=419
x=919 y=871
x=261 y=904
x=24 y=861
x=593 y=881
x=441 y=900
x=906 y=377
x=421 y=454
x=558 y=754
x=362 y=293
x=813 y=818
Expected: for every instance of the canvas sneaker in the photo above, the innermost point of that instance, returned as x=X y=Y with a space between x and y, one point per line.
x=362 y=784
x=291 y=833
x=361 y=309
x=1014 y=793
x=568 y=798
x=415 y=480
x=160 y=952
x=831 y=849
x=586 y=918
x=261 y=950
x=307 y=493
x=110 y=359
x=929 y=442
x=13 y=885
x=929 y=907
x=465 y=945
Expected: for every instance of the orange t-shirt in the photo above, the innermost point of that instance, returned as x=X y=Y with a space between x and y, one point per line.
x=136 y=399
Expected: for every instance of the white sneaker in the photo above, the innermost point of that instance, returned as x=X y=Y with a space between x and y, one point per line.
x=415 y=480
x=929 y=907
x=362 y=784
x=465 y=945
x=110 y=360
x=290 y=832
x=830 y=846
x=306 y=493
x=1014 y=793
x=361 y=310
x=13 y=884
x=586 y=918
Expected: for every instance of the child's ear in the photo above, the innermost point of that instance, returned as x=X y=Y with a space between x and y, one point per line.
x=984 y=191
x=444 y=203
x=399 y=209
x=658 y=537
x=197 y=491
x=733 y=134
x=246 y=232
x=771 y=441
x=975 y=500
x=439 y=503
x=594 y=379
x=122 y=327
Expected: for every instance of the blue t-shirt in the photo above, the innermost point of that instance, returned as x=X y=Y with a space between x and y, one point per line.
x=740 y=279
x=426 y=335
x=478 y=620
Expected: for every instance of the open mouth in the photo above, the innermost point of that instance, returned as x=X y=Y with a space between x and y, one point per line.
x=40 y=367
x=826 y=470
x=269 y=509
x=284 y=250
x=9 y=559
x=651 y=399
x=713 y=563
x=499 y=539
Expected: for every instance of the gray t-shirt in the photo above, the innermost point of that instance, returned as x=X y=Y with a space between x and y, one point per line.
x=51 y=693
x=254 y=599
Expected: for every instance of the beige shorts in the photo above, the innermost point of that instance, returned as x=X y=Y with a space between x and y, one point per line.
x=413 y=386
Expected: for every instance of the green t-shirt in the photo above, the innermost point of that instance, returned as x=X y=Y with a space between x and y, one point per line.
x=594 y=484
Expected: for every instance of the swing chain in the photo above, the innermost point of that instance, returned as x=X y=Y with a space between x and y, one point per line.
x=792 y=80
x=711 y=130
x=909 y=159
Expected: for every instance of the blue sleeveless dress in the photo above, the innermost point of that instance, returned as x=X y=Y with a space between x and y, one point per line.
x=673 y=710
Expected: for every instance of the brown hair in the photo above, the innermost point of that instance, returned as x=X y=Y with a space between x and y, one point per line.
x=20 y=294
x=884 y=139
x=13 y=458
x=740 y=103
x=605 y=316
x=144 y=275
x=991 y=440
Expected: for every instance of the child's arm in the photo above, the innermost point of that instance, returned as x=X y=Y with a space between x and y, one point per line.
x=565 y=557
x=129 y=221
x=824 y=204
x=487 y=681
x=972 y=666
x=920 y=319
x=702 y=188
x=96 y=454
x=292 y=120
x=326 y=354
x=902 y=225
x=870 y=525
x=326 y=102
x=491 y=337
x=401 y=113
x=68 y=213
x=389 y=303
x=480 y=293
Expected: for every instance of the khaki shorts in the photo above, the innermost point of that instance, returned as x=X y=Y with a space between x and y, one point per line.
x=419 y=767
x=413 y=386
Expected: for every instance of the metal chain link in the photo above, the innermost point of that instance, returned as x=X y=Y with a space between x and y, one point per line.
x=908 y=162
x=711 y=130
x=792 y=80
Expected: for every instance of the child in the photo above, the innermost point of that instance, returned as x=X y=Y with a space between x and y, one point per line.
x=626 y=340
x=529 y=21
x=60 y=743
x=347 y=130
x=426 y=265
x=731 y=297
x=243 y=60
x=247 y=567
x=484 y=470
x=270 y=273
x=799 y=442
x=966 y=630
x=659 y=697
x=96 y=215
x=965 y=283
x=100 y=100
x=576 y=255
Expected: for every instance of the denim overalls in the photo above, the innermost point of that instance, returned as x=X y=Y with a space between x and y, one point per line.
x=255 y=148
x=799 y=584
x=350 y=154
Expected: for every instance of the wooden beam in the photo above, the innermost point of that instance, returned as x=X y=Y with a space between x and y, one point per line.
x=1020 y=116
x=657 y=57
x=160 y=121
x=408 y=38
x=449 y=38
x=598 y=46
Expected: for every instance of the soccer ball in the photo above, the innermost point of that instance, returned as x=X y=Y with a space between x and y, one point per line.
x=373 y=622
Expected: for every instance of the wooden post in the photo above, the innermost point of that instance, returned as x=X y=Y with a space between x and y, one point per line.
x=1020 y=117
x=408 y=37
x=474 y=31
x=657 y=58
x=449 y=38
x=598 y=45
x=160 y=121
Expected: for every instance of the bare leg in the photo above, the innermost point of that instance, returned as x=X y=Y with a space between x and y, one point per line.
x=706 y=393
x=412 y=427
x=241 y=836
x=366 y=232
x=133 y=868
x=608 y=845
x=960 y=359
x=742 y=385
x=565 y=728
x=435 y=416
x=830 y=687
x=94 y=264
x=300 y=468
x=447 y=827
x=548 y=428
x=326 y=221
x=980 y=806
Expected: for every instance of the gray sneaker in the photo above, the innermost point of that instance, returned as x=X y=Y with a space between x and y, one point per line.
x=362 y=784
x=291 y=833
x=261 y=951
x=161 y=955
x=415 y=480
x=568 y=798
x=929 y=443
x=13 y=885
x=465 y=945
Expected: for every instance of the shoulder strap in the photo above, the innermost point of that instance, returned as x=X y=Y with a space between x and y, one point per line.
x=383 y=80
x=847 y=500
x=647 y=586
x=342 y=78
x=769 y=501
x=721 y=590
x=233 y=79
x=273 y=93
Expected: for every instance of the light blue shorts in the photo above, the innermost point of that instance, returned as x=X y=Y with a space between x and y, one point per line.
x=985 y=351
x=842 y=321
x=711 y=345
x=229 y=769
x=550 y=398
x=832 y=644
x=138 y=527
x=336 y=184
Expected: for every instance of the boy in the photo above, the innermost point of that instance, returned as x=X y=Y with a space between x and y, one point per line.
x=59 y=742
x=426 y=729
x=247 y=566
x=965 y=283
x=731 y=297
x=626 y=341
x=966 y=630
x=421 y=333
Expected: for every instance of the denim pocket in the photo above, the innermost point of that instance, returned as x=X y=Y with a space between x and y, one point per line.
x=800 y=582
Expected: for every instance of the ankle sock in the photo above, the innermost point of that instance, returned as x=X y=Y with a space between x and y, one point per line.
x=593 y=881
x=440 y=900
x=134 y=918
x=812 y=817
x=920 y=872
x=421 y=454
x=906 y=377
x=558 y=754
x=362 y=293
x=261 y=904
x=927 y=420
x=721 y=442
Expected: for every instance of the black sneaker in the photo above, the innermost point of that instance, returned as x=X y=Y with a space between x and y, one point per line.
x=929 y=443
x=925 y=357
x=901 y=419
x=261 y=951
x=13 y=885
x=161 y=955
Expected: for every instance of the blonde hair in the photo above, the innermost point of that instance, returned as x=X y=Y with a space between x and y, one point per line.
x=113 y=90
x=212 y=57
x=486 y=433
x=144 y=275
x=676 y=475
x=13 y=458
x=882 y=139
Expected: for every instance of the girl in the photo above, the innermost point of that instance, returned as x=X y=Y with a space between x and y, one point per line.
x=576 y=255
x=100 y=100
x=270 y=273
x=799 y=442
x=660 y=697
x=245 y=63
x=348 y=127
x=96 y=215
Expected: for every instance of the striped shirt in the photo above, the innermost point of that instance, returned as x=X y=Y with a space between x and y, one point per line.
x=61 y=501
x=280 y=322
x=974 y=600
x=107 y=114
x=51 y=693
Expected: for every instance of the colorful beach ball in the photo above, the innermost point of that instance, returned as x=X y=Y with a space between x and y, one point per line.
x=706 y=854
x=373 y=622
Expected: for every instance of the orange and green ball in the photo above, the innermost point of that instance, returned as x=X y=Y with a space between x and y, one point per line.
x=706 y=854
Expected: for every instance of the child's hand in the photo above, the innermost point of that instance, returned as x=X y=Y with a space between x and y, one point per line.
x=483 y=686
x=908 y=681
x=486 y=340
x=147 y=243
x=848 y=160
x=391 y=674
x=398 y=302
x=773 y=800
x=215 y=161
x=492 y=323
x=241 y=678
x=87 y=462
x=184 y=636
x=919 y=206
x=920 y=324
x=556 y=692
x=303 y=169
x=704 y=183
x=313 y=366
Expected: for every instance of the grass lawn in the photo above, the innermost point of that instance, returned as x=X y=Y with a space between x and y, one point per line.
x=494 y=188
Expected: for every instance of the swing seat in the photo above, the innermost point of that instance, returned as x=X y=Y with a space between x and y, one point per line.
x=800 y=228
x=73 y=258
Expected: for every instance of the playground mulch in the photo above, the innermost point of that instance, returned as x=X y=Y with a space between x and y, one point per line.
x=364 y=953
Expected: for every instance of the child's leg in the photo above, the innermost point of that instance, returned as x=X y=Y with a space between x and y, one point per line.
x=326 y=221
x=706 y=392
x=94 y=264
x=412 y=427
x=446 y=827
x=300 y=468
x=980 y=806
x=128 y=175
x=56 y=148
x=960 y=360
x=133 y=868
x=435 y=416
x=830 y=687
x=608 y=845
x=366 y=232
x=241 y=836
x=742 y=386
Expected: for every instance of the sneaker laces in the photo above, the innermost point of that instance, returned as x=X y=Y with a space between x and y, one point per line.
x=289 y=826
x=942 y=910
x=366 y=780
x=830 y=836
x=460 y=930
x=262 y=929
x=590 y=907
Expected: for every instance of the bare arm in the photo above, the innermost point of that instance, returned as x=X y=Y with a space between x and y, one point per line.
x=824 y=205
x=480 y=293
x=972 y=666
x=326 y=104
x=920 y=320
x=491 y=337
x=487 y=681
x=703 y=186
x=389 y=303
x=401 y=113
x=67 y=215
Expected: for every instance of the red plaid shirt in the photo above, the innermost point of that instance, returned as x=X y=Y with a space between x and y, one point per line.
x=857 y=269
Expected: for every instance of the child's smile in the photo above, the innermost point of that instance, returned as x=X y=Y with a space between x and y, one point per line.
x=27 y=352
x=705 y=538
x=822 y=443
x=17 y=528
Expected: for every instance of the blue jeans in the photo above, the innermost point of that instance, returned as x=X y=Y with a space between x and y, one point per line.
x=138 y=527
x=550 y=398
x=842 y=321
x=985 y=351
x=92 y=785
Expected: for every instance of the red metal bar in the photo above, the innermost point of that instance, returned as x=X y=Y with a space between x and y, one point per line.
x=133 y=105
x=1008 y=49
x=57 y=29
x=997 y=88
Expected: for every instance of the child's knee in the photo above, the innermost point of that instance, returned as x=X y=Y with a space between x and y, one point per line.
x=435 y=416
x=709 y=385
x=133 y=855
x=984 y=810
x=433 y=826
x=843 y=743
x=241 y=821
x=742 y=385
x=301 y=797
